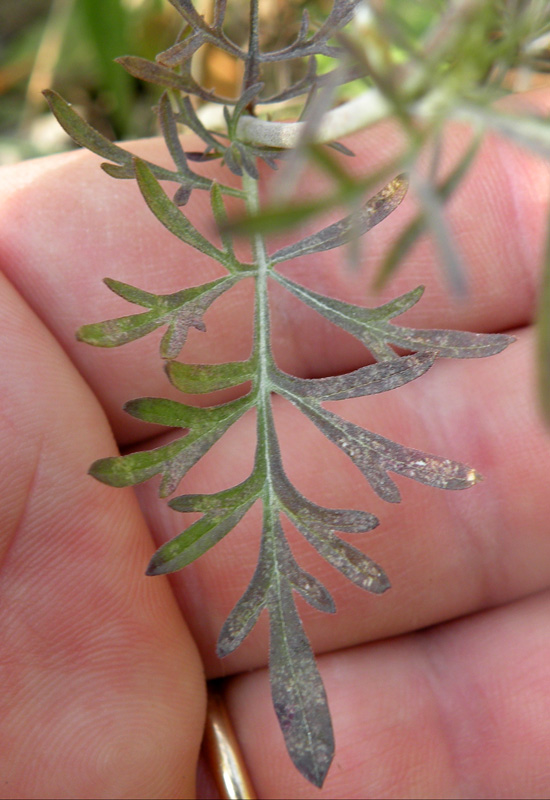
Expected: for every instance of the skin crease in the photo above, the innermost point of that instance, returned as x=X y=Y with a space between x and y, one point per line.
x=439 y=688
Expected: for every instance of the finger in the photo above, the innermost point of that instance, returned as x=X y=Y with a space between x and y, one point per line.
x=102 y=692
x=446 y=553
x=461 y=710
x=65 y=225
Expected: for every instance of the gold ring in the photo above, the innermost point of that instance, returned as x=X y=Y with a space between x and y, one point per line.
x=222 y=750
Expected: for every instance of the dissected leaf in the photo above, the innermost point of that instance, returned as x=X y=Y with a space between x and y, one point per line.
x=375 y=456
x=373 y=327
x=298 y=694
x=317 y=524
x=173 y=460
x=222 y=512
x=180 y=311
x=86 y=136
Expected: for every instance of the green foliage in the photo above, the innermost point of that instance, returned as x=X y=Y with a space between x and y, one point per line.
x=298 y=695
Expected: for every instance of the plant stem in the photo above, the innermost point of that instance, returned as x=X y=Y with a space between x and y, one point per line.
x=262 y=356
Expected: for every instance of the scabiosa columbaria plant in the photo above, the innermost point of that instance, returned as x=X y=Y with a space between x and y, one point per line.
x=298 y=694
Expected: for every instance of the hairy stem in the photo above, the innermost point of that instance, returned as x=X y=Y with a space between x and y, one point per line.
x=262 y=346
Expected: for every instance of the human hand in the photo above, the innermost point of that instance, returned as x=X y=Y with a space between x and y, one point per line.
x=439 y=688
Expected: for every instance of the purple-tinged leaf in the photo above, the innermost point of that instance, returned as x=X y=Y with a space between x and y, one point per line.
x=246 y=98
x=182 y=195
x=372 y=379
x=248 y=161
x=180 y=311
x=181 y=51
x=189 y=117
x=248 y=608
x=219 y=14
x=232 y=162
x=170 y=134
x=201 y=157
x=86 y=136
x=375 y=456
x=291 y=501
x=308 y=586
x=320 y=518
x=297 y=690
x=190 y=14
x=339 y=233
x=372 y=326
x=351 y=562
x=151 y=72
x=450 y=344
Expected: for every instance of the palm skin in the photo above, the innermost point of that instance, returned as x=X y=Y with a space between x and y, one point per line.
x=439 y=688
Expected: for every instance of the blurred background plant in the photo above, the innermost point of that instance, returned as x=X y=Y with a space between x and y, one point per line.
x=70 y=45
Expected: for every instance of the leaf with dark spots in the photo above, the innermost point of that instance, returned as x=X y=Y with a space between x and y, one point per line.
x=308 y=586
x=372 y=326
x=246 y=612
x=372 y=379
x=297 y=691
x=351 y=562
x=375 y=456
x=339 y=233
x=450 y=344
